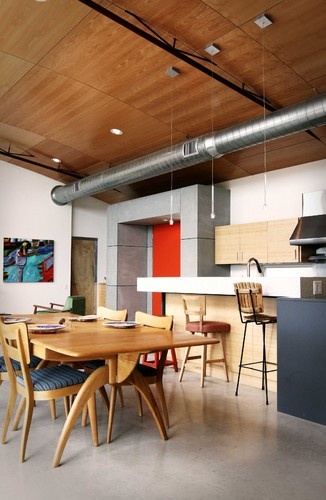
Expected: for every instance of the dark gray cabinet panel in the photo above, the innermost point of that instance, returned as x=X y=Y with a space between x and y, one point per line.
x=301 y=358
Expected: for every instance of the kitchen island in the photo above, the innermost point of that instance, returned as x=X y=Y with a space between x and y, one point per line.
x=222 y=305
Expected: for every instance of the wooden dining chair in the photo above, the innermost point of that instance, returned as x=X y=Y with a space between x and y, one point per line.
x=146 y=375
x=49 y=383
x=91 y=365
x=112 y=314
x=196 y=322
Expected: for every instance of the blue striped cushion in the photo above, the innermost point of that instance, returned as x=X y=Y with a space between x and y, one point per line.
x=16 y=365
x=95 y=363
x=54 y=377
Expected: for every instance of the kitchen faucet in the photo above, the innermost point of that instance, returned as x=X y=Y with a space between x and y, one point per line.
x=252 y=259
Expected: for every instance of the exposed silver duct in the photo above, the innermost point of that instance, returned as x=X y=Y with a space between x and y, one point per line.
x=281 y=123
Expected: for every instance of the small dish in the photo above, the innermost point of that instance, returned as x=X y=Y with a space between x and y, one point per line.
x=121 y=324
x=89 y=317
x=11 y=320
x=51 y=328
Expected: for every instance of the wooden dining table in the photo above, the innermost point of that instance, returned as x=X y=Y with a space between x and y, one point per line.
x=120 y=348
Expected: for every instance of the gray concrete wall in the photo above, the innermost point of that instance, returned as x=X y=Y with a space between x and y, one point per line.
x=129 y=252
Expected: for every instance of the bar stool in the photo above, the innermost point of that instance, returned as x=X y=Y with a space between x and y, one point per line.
x=251 y=310
x=195 y=306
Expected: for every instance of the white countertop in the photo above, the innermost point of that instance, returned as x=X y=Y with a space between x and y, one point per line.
x=272 y=287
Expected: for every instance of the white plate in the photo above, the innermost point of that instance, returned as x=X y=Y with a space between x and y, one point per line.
x=10 y=320
x=89 y=317
x=45 y=328
x=121 y=324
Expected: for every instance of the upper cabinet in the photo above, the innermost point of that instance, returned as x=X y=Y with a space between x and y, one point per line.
x=237 y=243
x=266 y=241
x=279 y=248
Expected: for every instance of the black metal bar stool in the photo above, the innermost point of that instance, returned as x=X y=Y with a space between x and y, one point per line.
x=251 y=310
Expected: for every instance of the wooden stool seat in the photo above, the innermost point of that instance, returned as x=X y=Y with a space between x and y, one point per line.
x=195 y=306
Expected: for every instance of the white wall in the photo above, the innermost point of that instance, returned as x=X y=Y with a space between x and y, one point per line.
x=284 y=190
x=27 y=211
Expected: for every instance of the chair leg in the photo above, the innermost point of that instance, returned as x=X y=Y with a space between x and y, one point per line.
x=184 y=364
x=174 y=360
x=264 y=379
x=9 y=412
x=19 y=413
x=27 y=425
x=203 y=365
x=53 y=409
x=222 y=344
x=241 y=357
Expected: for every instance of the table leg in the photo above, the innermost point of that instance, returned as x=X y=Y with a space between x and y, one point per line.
x=96 y=380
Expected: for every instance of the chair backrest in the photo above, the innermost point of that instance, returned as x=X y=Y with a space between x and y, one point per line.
x=112 y=314
x=194 y=307
x=164 y=322
x=76 y=304
x=250 y=298
x=15 y=346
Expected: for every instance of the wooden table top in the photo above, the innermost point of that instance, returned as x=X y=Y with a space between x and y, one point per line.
x=93 y=340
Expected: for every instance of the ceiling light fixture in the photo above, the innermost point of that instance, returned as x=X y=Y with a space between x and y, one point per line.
x=212 y=49
x=263 y=21
x=56 y=160
x=116 y=131
x=172 y=73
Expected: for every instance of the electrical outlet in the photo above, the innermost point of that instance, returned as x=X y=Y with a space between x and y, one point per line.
x=317 y=287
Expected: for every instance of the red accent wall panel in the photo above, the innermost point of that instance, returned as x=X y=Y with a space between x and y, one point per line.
x=166 y=256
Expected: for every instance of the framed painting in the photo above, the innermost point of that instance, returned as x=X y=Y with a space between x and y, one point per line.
x=27 y=261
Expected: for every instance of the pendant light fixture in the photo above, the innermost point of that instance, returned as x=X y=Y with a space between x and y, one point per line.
x=263 y=21
x=172 y=73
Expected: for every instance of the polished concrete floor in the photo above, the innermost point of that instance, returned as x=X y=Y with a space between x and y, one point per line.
x=220 y=447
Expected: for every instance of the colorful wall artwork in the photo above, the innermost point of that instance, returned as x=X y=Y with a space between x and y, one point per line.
x=27 y=261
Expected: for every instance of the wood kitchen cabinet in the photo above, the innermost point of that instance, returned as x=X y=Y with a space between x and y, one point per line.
x=237 y=243
x=266 y=241
x=278 y=246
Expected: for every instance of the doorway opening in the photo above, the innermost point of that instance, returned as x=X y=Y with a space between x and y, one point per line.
x=84 y=271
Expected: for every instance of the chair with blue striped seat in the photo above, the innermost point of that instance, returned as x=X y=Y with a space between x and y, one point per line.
x=49 y=383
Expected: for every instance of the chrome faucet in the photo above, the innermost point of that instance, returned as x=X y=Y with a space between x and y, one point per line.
x=252 y=259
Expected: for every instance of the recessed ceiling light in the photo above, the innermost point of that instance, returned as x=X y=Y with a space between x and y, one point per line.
x=212 y=49
x=116 y=131
x=172 y=72
x=263 y=21
x=56 y=160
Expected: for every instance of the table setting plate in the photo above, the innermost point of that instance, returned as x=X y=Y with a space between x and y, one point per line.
x=11 y=320
x=121 y=324
x=50 y=328
x=89 y=317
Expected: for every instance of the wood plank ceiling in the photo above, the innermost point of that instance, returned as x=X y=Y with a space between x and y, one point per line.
x=69 y=75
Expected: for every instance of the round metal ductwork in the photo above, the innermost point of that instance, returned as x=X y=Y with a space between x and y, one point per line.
x=287 y=121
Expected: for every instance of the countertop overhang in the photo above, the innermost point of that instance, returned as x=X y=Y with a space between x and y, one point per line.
x=272 y=287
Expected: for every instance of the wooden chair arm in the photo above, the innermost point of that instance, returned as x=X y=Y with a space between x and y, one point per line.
x=46 y=308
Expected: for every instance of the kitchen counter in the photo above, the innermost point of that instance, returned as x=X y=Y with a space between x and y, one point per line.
x=272 y=287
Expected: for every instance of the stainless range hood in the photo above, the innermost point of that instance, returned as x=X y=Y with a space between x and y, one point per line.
x=311 y=228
